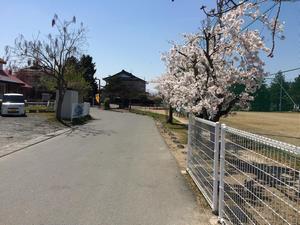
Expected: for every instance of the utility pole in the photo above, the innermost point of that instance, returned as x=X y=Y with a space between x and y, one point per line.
x=280 y=97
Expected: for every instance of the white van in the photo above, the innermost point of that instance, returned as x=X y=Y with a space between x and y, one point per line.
x=13 y=104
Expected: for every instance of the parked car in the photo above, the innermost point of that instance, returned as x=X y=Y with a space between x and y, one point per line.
x=13 y=104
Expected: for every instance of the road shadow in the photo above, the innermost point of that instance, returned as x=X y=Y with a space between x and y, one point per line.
x=88 y=130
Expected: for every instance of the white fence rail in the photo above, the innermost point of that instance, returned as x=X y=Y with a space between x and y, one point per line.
x=48 y=104
x=259 y=178
x=203 y=154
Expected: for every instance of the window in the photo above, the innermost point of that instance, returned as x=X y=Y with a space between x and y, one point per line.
x=13 y=98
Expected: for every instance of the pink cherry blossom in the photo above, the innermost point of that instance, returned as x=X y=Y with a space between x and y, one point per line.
x=217 y=68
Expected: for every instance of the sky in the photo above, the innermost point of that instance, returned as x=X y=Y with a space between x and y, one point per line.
x=133 y=34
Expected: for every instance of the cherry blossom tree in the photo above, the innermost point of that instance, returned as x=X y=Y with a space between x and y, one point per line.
x=165 y=90
x=219 y=67
x=268 y=6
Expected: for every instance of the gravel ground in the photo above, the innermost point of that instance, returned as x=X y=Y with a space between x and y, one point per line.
x=19 y=129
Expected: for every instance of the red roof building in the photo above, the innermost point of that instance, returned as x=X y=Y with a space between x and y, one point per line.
x=33 y=76
x=10 y=83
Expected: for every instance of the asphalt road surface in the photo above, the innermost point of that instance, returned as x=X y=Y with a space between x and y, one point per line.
x=115 y=170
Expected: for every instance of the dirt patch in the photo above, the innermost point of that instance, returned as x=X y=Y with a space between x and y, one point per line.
x=20 y=129
x=179 y=151
x=172 y=140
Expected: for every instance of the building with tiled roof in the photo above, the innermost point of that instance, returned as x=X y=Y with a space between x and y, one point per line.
x=133 y=82
x=124 y=88
x=9 y=83
x=33 y=77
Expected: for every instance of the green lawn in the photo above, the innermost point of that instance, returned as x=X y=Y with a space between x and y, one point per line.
x=38 y=108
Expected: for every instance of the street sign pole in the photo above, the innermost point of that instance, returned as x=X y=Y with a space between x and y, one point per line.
x=99 y=90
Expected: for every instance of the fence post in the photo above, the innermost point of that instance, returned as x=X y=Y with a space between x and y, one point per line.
x=216 y=166
x=222 y=168
x=189 y=140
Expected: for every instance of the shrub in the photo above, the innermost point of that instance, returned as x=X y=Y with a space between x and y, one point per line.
x=81 y=120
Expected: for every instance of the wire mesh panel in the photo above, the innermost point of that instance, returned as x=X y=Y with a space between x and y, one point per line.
x=203 y=154
x=260 y=181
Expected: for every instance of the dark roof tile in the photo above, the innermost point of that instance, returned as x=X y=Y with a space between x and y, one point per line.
x=123 y=72
x=8 y=78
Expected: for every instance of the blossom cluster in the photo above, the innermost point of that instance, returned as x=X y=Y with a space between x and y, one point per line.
x=215 y=69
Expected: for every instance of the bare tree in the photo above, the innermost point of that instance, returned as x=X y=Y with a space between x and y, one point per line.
x=51 y=53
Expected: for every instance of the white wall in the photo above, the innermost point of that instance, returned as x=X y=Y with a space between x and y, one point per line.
x=70 y=98
x=80 y=109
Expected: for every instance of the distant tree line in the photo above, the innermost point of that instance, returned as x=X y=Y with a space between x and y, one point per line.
x=81 y=76
x=279 y=95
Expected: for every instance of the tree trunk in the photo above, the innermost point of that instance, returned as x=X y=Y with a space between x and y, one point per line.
x=170 y=115
x=61 y=95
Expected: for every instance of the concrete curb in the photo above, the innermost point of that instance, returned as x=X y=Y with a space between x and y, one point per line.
x=12 y=148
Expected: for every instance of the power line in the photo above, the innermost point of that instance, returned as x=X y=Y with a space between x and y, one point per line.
x=259 y=17
x=283 y=89
x=285 y=71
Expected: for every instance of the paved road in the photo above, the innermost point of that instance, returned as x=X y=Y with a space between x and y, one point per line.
x=113 y=171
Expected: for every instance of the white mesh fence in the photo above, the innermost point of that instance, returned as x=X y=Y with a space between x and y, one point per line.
x=261 y=180
x=247 y=178
x=203 y=154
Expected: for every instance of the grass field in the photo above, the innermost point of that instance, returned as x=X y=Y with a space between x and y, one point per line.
x=280 y=126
